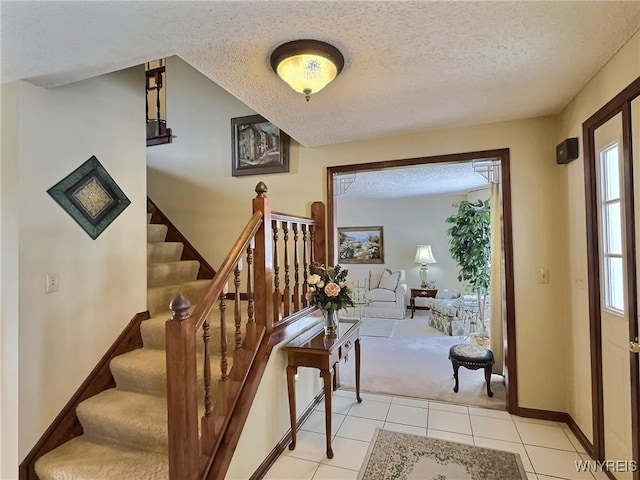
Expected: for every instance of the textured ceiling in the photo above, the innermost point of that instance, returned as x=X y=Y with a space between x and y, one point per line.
x=416 y=181
x=409 y=65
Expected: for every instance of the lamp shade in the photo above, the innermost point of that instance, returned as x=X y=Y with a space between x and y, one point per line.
x=424 y=254
x=307 y=65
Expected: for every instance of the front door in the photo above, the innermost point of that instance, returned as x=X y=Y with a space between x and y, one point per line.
x=614 y=311
x=612 y=181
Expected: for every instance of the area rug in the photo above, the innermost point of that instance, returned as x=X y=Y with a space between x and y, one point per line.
x=414 y=362
x=401 y=456
x=377 y=327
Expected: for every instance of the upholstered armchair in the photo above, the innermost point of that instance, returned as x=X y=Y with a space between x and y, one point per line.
x=386 y=294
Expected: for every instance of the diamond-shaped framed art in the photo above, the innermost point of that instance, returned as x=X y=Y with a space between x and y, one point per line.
x=91 y=196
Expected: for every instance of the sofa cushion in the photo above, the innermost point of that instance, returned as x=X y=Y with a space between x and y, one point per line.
x=374 y=278
x=389 y=280
x=381 y=295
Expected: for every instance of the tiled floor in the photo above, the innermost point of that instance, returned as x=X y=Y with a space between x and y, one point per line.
x=548 y=450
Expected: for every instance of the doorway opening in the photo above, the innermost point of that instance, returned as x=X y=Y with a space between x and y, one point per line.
x=507 y=302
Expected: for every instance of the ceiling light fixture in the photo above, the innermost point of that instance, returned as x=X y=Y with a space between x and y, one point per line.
x=307 y=65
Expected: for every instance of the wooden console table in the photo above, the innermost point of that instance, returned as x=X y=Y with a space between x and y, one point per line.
x=313 y=349
x=420 y=293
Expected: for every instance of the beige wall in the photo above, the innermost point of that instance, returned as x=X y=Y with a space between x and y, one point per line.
x=619 y=72
x=62 y=335
x=8 y=281
x=407 y=222
x=538 y=224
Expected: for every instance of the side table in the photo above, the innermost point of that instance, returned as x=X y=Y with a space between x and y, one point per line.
x=420 y=293
x=313 y=349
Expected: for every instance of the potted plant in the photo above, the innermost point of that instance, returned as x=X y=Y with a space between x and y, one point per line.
x=470 y=247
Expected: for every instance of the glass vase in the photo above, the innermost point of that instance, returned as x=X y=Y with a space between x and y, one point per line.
x=331 y=323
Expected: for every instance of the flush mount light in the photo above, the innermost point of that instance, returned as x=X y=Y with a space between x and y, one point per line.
x=307 y=65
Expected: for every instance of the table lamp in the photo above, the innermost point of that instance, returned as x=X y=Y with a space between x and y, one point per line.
x=424 y=255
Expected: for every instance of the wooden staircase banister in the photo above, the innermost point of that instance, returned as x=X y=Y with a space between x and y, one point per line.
x=204 y=307
x=192 y=450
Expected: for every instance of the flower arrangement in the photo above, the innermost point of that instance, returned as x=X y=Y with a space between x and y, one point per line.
x=328 y=287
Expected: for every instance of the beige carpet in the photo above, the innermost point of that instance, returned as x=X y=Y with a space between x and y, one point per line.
x=125 y=428
x=414 y=363
x=377 y=327
x=400 y=456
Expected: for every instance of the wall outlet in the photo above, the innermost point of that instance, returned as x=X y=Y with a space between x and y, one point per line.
x=543 y=275
x=52 y=282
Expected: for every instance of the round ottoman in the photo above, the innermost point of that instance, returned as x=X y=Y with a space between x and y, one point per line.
x=472 y=357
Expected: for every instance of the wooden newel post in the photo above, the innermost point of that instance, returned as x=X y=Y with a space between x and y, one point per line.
x=318 y=214
x=182 y=392
x=263 y=261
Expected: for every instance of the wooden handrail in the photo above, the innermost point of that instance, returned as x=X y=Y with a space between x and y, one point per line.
x=284 y=217
x=204 y=307
x=191 y=450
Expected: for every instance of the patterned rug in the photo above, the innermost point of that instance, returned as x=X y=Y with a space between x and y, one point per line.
x=377 y=327
x=400 y=456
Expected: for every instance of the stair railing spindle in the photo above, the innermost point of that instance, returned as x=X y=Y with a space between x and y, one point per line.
x=277 y=296
x=305 y=265
x=296 y=267
x=237 y=313
x=206 y=335
x=287 y=280
x=223 y=335
x=250 y=280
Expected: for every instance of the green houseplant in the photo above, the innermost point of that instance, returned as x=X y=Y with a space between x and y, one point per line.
x=470 y=247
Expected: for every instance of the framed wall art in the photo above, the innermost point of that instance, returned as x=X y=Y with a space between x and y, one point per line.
x=360 y=245
x=91 y=196
x=258 y=147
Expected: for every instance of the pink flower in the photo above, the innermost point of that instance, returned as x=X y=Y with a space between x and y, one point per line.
x=332 y=289
x=309 y=295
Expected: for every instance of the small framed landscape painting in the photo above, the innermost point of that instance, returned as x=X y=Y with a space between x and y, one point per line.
x=257 y=147
x=360 y=245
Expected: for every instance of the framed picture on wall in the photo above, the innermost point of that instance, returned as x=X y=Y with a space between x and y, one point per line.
x=257 y=147
x=360 y=245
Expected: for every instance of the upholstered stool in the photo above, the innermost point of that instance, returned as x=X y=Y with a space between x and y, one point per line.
x=472 y=357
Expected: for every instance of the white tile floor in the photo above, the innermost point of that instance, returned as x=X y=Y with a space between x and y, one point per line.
x=548 y=450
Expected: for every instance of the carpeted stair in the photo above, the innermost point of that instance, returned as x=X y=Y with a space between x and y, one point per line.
x=125 y=428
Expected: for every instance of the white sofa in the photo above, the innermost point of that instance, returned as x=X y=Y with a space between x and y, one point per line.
x=386 y=294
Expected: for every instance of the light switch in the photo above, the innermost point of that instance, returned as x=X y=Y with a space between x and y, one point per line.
x=52 y=282
x=543 y=275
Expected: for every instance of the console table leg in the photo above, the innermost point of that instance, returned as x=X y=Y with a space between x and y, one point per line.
x=291 y=373
x=326 y=376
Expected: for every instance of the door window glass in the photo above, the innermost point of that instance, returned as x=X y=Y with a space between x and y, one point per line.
x=611 y=225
